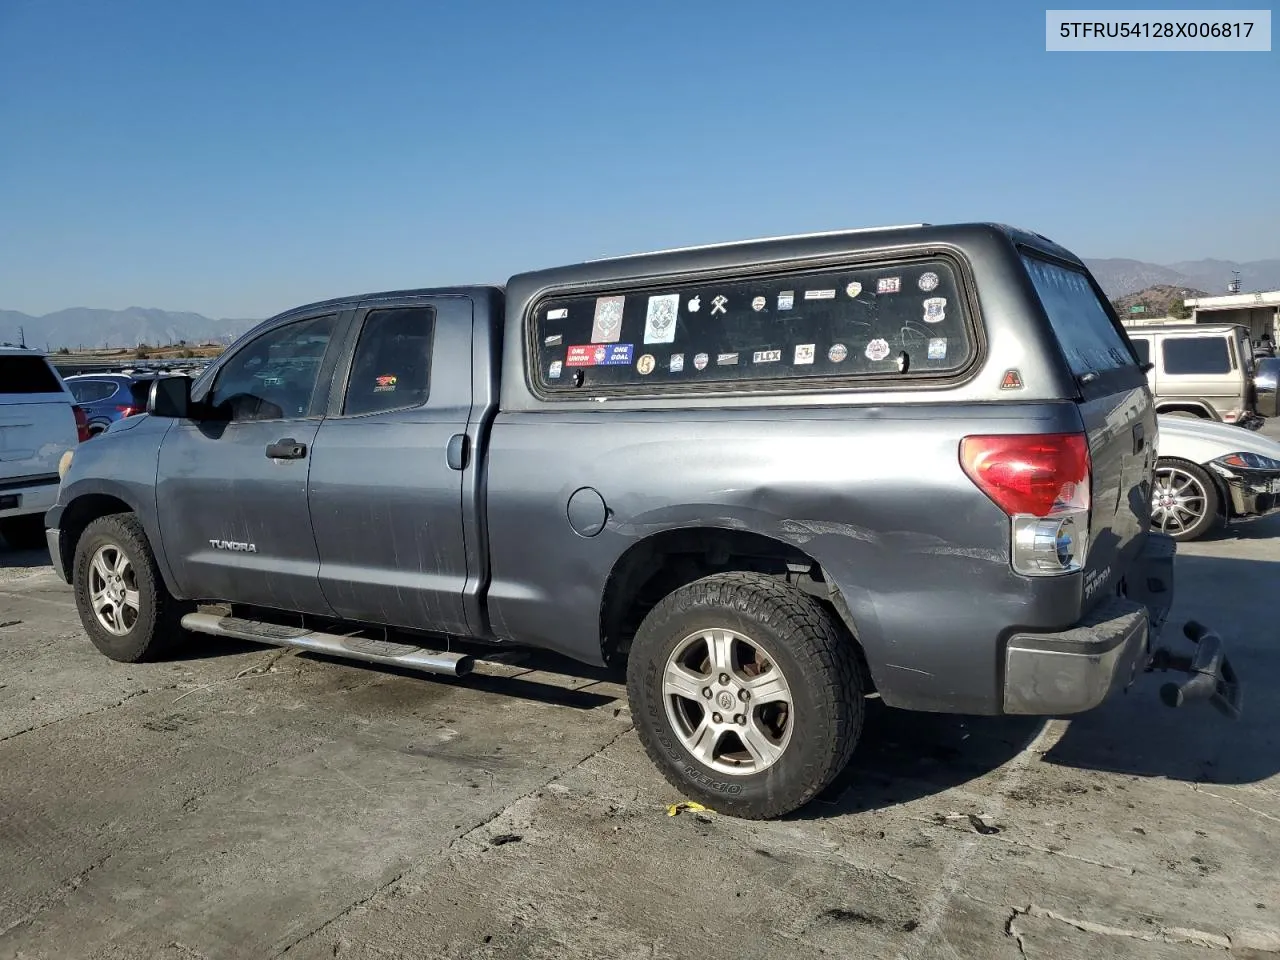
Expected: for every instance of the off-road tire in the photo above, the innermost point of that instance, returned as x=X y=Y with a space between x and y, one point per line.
x=805 y=641
x=23 y=533
x=158 y=626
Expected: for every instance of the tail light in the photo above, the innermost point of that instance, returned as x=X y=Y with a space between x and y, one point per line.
x=82 y=423
x=128 y=410
x=1043 y=483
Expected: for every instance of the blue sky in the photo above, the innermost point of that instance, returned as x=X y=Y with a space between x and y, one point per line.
x=238 y=157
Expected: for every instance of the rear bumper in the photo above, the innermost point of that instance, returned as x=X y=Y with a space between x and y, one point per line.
x=21 y=498
x=1049 y=674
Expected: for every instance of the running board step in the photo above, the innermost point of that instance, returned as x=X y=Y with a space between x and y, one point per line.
x=354 y=648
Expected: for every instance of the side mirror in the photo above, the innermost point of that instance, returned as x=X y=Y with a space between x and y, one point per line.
x=170 y=397
x=1266 y=381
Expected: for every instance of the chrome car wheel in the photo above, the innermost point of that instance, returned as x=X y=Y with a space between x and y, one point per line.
x=728 y=702
x=113 y=590
x=1179 y=500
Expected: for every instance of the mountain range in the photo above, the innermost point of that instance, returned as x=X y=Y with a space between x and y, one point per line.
x=1121 y=277
x=86 y=327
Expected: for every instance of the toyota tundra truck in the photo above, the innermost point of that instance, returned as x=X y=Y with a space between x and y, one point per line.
x=768 y=480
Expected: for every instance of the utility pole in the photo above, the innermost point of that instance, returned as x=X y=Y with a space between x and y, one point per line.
x=22 y=337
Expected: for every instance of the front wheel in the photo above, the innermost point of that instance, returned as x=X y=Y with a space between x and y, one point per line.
x=123 y=603
x=746 y=694
x=1184 y=500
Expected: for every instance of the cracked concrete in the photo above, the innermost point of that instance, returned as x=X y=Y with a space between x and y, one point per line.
x=244 y=802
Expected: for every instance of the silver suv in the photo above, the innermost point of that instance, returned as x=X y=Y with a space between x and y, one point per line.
x=39 y=424
x=1201 y=370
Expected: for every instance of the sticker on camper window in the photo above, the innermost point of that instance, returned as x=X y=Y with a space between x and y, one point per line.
x=608 y=319
x=660 y=318
x=384 y=384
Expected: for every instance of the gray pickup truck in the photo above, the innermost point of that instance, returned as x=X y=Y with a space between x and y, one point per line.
x=769 y=479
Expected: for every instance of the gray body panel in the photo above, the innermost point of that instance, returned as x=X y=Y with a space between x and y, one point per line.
x=866 y=482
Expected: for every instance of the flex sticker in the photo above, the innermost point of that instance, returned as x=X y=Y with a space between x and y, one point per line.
x=935 y=309
x=938 y=348
x=660 y=318
x=820 y=294
x=804 y=351
x=554 y=340
x=726 y=359
x=888 y=285
x=877 y=349
x=928 y=281
x=608 y=319
x=837 y=352
x=766 y=356
x=554 y=371
x=677 y=362
x=786 y=299
x=853 y=289
x=700 y=361
x=646 y=364
x=558 y=314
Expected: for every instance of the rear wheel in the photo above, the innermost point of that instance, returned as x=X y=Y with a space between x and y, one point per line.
x=124 y=605
x=1184 y=500
x=746 y=694
x=23 y=533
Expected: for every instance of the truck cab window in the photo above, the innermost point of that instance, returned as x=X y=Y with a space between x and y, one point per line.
x=391 y=369
x=273 y=376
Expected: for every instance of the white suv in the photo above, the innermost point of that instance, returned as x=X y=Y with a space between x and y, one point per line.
x=39 y=423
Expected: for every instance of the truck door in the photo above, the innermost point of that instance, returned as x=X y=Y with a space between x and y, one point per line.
x=386 y=478
x=232 y=490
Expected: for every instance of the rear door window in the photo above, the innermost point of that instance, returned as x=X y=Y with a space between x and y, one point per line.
x=904 y=321
x=1142 y=347
x=1090 y=340
x=391 y=368
x=1191 y=356
x=19 y=374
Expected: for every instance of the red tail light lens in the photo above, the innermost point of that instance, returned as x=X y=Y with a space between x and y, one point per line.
x=128 y=411
x=82 y=423
x=1034 y=474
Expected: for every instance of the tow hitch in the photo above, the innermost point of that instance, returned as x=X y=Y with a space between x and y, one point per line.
x=1212 y=677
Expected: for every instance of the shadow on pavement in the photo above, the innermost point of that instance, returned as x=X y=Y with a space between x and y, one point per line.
x=1137 y=735
x=10 y=558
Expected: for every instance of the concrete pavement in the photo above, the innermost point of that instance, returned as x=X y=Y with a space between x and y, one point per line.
x=250 y=802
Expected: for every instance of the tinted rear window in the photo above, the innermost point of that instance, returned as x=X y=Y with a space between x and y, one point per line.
x=90 y=391
x=1195 y=355
x=1088 y=337
x=27 y=375
x=904 y=321
x=1142 y=347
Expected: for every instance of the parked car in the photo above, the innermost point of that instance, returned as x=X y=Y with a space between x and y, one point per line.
x=39 y=424
x=1209 y=474
x=1203 y=370
x=108 y=397
x=767 y=479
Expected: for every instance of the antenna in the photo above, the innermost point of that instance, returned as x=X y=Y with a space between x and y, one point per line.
x=1234 y=285
x=22 y=337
